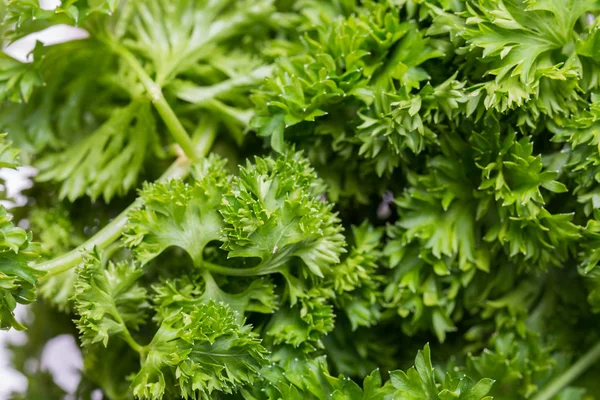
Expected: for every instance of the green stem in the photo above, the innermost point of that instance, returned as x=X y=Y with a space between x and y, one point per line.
x=551 y=390
x=103 y=238
x=108 y=234
x=111 y=232
x=126 y=336
x=219 y=269
x=160 y=103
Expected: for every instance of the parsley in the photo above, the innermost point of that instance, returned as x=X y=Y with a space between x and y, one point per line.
x=274 y=199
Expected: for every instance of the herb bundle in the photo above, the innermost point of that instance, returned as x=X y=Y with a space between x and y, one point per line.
x=309 y=199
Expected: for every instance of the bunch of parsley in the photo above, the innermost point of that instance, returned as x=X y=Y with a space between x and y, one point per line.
x=290 y=199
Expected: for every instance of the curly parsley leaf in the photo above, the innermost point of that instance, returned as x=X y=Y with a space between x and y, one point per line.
x=18 y=278
x=108 y=300
x=198 y=354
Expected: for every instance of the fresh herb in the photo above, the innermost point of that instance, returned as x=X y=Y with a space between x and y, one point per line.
x=275 y=199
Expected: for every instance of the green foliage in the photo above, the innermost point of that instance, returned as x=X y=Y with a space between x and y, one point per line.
x=200 y=352
x=17 y=80
x=369 y=64
x=120 y=144
x=272 y=213
x=53 y=115
x=18 y=278
x=528 y=47
x=275 y=212
x=349 y=180
x=22 y=17
x=419 y=383
x=82 y=100
x=357 y=280
x=515 y=363
x=53 y=228
x=108 y=300
x=178 y=214
x=9 y=156
x=310 y=379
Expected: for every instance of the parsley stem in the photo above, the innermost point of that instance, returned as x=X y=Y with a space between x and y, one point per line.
x=126 y=336
x=174 y=125
x=108 y=234
x=160 y=103
x=228 y=271
x=551 y=390
x=111 y=232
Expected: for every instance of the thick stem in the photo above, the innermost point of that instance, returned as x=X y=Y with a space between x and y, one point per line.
x=111 y=232
x=160 y=103
x=551 y=390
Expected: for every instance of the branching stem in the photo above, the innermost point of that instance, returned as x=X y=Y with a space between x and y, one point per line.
x=160 y=103
x=111 y=232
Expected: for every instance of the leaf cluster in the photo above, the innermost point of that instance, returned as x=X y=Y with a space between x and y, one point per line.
x=281 y=199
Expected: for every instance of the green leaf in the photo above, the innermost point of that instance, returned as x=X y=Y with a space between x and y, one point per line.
x=65 y=107
x=178 y=214
x=304 y=324
x=9 y=156
x=519 y=40
x=18 y=279
x=108 y=300
x=189 y=31
x=273 y=128
x=275 y=213
x=108 y=161
x=199 y=354
x=425 y=370
x=182 y=295
x=300 y=378
x=23 y=17
x=419 y=383
x=17 y=79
